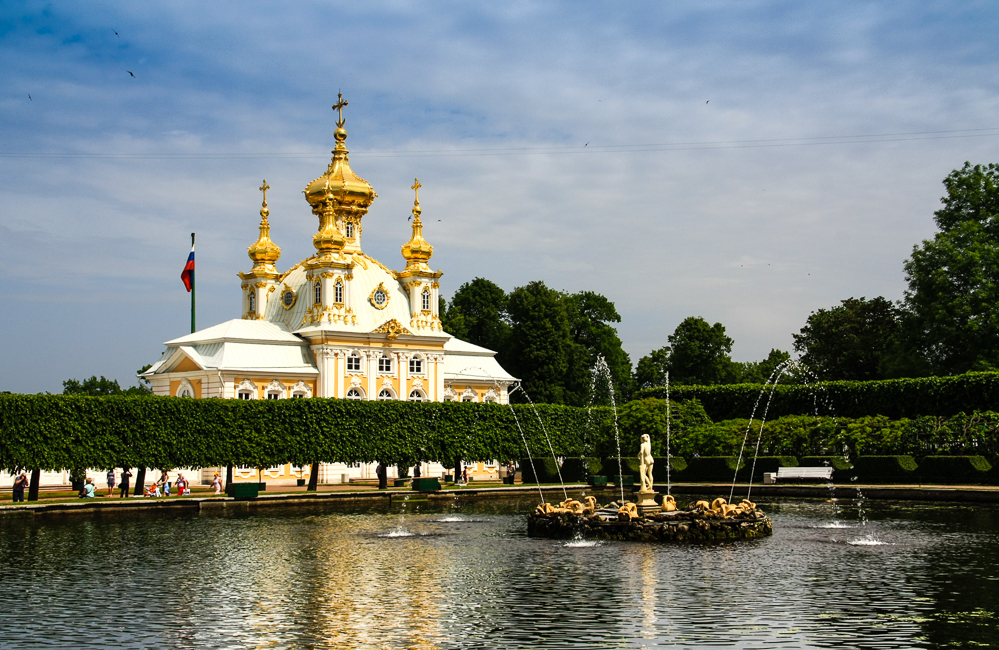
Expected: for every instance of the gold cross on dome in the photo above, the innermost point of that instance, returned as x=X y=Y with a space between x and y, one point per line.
x=263 y=188
x=416 y=188
x=338 y=107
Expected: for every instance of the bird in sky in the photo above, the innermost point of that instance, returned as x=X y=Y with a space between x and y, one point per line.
x=586 y=144
x=130 y=72
x=409 y=218
x=707 y=102
x=116 y=34
x=29 y=98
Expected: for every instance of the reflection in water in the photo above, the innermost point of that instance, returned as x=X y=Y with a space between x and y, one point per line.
x=472 y=579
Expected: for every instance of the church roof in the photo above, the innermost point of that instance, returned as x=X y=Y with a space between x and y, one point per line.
x=241 y=330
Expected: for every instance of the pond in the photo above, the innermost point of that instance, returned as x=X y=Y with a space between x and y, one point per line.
x=845 y=574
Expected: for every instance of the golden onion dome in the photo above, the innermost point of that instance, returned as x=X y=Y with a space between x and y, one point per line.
x=417 y=251
x=347 y=188
x=264 y=252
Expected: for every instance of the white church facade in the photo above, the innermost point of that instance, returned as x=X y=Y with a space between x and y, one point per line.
x=339 y=324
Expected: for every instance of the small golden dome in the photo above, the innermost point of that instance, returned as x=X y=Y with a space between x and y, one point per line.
x=417 y=251
x=264 y=252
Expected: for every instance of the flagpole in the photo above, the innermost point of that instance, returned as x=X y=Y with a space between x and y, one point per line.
x=193 y=321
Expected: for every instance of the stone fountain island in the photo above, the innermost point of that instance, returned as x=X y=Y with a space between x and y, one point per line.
x=647 y=520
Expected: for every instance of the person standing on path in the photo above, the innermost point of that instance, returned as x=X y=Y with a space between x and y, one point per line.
x=163 y=484
x=126 y=478
x=17 y=491
x=217 y=484
x=381 y=471
x=111 y=482
x=181 y=484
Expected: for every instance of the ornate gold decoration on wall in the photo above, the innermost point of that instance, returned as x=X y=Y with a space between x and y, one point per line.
x=392 y=329
x=328 y=275
x=288 y=297
x=379 y=298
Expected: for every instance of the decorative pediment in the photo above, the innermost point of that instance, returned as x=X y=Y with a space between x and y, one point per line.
x=355 y=381
x=418 y=383
x=276 y=387
x=491 y=395
x=392 y=329
x=468 y=392
x=301 y=388
x=386 y=382
x=246 y=384
x=449 y=393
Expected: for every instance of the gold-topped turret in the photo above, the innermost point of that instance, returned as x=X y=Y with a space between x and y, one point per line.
x=417 y=251
x=339 y=197
x=264 y=252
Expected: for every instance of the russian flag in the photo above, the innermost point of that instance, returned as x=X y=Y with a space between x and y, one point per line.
x=188 y=273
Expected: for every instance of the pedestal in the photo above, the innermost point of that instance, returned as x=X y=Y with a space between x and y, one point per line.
x=646 y=502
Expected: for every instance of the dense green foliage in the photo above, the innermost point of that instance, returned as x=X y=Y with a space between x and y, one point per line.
x=699 y=353
x=852 y=341
x=894 y=398
x=549 y=339
x=953 y=469
x=101 y=386
x=57 y=432
x=952 y=324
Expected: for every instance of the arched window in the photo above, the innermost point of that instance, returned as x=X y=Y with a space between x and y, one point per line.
x=185 y=392
x=245 y=394
x=273 y=395
x=319 y=292
x=338 y=292
x=298 y=395
x=385 y=394
x=385 y=363
x=467 y=398
x=416 y=396
x=354 y=393
x=252 y=301
x=353 y=363
x=416 y=365
x=426 y=300
x=349 y=230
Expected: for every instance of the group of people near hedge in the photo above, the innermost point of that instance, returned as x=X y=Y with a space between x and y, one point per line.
x=159 y=488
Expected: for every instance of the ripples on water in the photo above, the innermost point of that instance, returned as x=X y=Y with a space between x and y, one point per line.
x=928 y=578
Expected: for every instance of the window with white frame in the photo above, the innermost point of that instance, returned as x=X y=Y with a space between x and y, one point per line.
x=385 y=363
x=185 y=392
x=416 y=396
x=273 y=395
x=245 y=394
x=354 y=393
x=349 y=230
x=385 y=394
x=338 y=292
x=416 y=365
x=252 y=300
x=298 y=395
x=426 y=300
x=318 y=288
x=353 y=362
x=467 y=398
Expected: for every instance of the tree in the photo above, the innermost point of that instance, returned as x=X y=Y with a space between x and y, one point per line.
x=478 y=314
x=700 y=353
x=539 y=345
x=652 y=368
x=852 y=341
x=759 y=372
x=590 y=315
x=952 y=324
x=95 y=386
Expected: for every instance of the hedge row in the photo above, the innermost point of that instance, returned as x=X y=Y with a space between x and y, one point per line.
x=54 y=432
x=900 y=469
x=893 y=398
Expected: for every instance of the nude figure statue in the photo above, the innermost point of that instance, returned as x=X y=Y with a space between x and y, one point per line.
x=646 y=461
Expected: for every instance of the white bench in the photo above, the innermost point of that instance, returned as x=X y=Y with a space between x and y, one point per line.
x=807 y=473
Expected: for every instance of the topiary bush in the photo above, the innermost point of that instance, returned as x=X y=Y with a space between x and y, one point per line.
x=885 y=469
x=954 y=470
x=677 y=466
x=579 y=470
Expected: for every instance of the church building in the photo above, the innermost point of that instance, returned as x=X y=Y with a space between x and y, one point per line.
x=337 y=324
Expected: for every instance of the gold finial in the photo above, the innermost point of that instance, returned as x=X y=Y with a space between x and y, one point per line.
x=263 y=208
x=416 y=188
x=338 y=107
x=417 y=251
x=264 y=252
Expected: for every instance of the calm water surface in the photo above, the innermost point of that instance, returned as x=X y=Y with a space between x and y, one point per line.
x=465 y=575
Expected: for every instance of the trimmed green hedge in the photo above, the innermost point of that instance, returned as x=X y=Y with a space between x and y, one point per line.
x=547 y=468
x=885 y=469
x=894 y=398
x=579 y=470
x=838 y=463
x=711 y=469
x=765 y=464
x=954 y=470
x=54 y=432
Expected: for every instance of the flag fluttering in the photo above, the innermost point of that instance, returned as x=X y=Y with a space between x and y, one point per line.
x=188 y=274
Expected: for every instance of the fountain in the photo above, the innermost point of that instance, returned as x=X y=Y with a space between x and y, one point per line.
x=648 y=521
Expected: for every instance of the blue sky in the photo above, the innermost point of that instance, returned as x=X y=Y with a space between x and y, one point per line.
x=740 y=167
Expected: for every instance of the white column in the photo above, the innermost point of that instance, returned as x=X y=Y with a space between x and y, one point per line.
x=373 y=373
x=341 y=368
x=431 y=377
x=439 y=365
x=403 y=374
